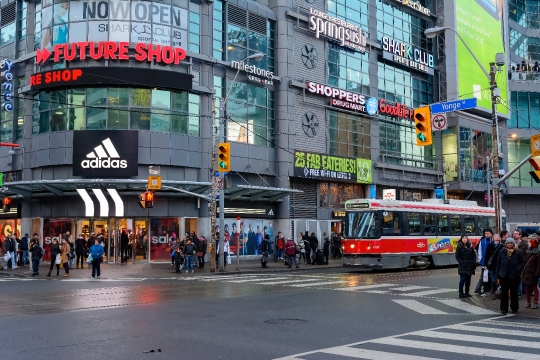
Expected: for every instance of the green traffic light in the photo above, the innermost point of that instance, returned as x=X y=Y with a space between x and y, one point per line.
x=422 y=137
x=222 y=165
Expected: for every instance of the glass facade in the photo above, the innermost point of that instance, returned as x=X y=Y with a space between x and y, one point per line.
x=219 y=31
x=21 y=17
x=525 y=12
x=116 y=108
x=450 y=154
x=525 y=112
x=519 y=149
x=474 y=151
x=349 y=135
x=336 y=194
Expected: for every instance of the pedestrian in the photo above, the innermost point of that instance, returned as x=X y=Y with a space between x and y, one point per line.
x=178 y=258
x=189 y=252
x=280 y=244
x=301 y=247
x=24 y=250
x=226 y=250
x=65 y=250
x=336 y=246
x=481 y=248
x=194 y=239
x=326 y=250
x=37 y=253
x=264 y=247
x=15 y=247
x=307 y=245
x=172 y=244
x=124 y=243
x=96 y=252
x=80 y=244
x=492 y=254
x=509 y=267
x=201 y=250
x=466 y=259
x=290 y=253
x=8 y=251
x=531 y=273
x=55 y=251
x=314 y=243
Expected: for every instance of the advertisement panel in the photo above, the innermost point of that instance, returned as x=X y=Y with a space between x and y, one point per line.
x=328 y=167
x=479 y=23
x=249 y=236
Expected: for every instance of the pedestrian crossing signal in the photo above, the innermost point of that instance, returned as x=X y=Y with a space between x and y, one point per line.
x=146 y=200
x=224 y=157
x=6 y=204
x=535 y=163
x=422 y=120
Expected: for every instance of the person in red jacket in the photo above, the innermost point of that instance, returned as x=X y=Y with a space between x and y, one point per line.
x=290 y=253
x=280 y=243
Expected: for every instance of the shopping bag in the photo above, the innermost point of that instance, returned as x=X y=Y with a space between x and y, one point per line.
x=228 y=259
x=90 y=258
x=57 y=261
x=486 y=276
x=7 y=256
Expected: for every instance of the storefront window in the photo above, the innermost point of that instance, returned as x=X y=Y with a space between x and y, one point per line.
x=474 y=150
x=450 y=153
x=349 y=135
x=116 y=108
x=161 y=229
x=340 y=193
x=54 y=229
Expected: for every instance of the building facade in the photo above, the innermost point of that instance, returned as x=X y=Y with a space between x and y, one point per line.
x=321 y=115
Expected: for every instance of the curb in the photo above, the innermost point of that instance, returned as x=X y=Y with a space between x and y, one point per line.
x=494 y=305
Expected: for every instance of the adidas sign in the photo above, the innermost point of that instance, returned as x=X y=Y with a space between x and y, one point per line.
x=104 y=156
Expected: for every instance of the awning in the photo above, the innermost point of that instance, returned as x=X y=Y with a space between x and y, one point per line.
x=258 y=193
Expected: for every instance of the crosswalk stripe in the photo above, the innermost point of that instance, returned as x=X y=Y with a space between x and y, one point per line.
x=409 y=288
x=288 y=281
x=473 y=309
x=419 y=307
x=459 y=349
x=510 y=324
x=372 y=354
x=429 y=292
x=258 y=279
x=378 y=291
x=494 y=330
x=321 y=283
x=365 y=287
x=479 y=339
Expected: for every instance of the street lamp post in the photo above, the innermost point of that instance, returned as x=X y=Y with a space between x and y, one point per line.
x=494 y=67
x=223 y=115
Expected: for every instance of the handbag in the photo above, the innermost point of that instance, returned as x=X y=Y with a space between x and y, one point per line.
x=200 y=254
x=57 y=261
x=7 y=256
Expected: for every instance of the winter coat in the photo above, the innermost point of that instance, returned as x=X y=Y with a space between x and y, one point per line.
x=531 y=271
x=7 y=245
x=65 y=251
x=481 y=248
x=326 y=248
x=265 y=245
x=523 y=246
x=124 y=240
x=301 y=246
x=24 y=243
x=307 y=245
x=55 y=250
x=492 y=252
x=313 y=242
x=35 y=251
x=79 y=246
x=510 y=268
x=466 y=258
x=97 y=251
x=202 y=246
x=290 y=248
x=190 y=249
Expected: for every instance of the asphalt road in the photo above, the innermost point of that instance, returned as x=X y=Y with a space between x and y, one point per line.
x=311 y=315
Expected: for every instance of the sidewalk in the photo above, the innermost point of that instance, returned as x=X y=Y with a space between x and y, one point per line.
x=494 y=305
x=158 y=270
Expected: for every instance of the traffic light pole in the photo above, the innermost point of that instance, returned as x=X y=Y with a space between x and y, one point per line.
x=495 y=158
x=213 y=195
x=222 y=198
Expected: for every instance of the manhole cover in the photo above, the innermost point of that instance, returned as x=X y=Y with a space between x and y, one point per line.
x=284 y=321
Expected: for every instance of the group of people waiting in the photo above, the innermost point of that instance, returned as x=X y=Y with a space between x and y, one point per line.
x=189 y=252
x=510 y=266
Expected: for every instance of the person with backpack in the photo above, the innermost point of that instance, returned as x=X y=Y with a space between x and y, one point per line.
x=264 y=247
x=96 y=252
x=189 y=251
x=290 y=253
x=37 y=253
x=24 y=250
x=55 y=251
x=326 y=250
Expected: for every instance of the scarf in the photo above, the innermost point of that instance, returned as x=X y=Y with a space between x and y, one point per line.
x=509 y=252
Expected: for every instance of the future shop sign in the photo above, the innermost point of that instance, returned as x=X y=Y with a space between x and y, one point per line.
x=358 y=102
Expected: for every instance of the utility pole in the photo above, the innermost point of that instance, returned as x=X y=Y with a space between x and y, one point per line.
x=213 y=194
x=495 y=94
x=222 y=194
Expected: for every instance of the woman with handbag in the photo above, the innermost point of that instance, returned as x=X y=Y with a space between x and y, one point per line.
x=466 y=259
x=531 y=273
x=509 y=267
x=65 y=250
x=492 y=254
x=55 y=257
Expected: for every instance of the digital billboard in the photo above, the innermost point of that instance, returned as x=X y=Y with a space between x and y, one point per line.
x=480 y=24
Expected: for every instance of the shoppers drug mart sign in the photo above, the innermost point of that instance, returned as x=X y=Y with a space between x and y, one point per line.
x=345 y=34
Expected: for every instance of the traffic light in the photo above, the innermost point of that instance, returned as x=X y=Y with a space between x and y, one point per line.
x=422 y=120
x=6 y=204
x=535 y=163
x=224 y=157
x=146 y=200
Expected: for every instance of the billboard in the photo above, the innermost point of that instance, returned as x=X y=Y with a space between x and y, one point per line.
x=480 y=24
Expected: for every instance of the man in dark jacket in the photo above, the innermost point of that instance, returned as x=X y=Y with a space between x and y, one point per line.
x=24 y=249
x=8 y=250
x=265 y=248
x=190 y=251
x=509 y=267
x=481 y=248
x=492 y=254
x=201 y=249
x=522 y=244
x=124 y=241
x=80 y=244
x=307 y=246
x=314 y=243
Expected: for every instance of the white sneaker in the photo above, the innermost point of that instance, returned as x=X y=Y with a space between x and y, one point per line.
x=192 y=271
x=187 y=271
x=99 y=277
x=15 y=267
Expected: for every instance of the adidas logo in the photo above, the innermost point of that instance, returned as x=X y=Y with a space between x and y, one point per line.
x=104 y=156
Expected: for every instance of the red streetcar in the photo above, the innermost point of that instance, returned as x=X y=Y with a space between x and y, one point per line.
x=390 y=234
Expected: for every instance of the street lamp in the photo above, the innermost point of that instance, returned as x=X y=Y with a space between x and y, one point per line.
x=494 y=67
x=256 y=56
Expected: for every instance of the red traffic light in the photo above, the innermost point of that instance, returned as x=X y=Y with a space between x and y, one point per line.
x=148 y=196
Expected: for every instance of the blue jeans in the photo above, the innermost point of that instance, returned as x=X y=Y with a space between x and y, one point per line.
x=279 y=254
x=493 y=279
x=189 y=262
x=464 y=280
x=35 y=266
x=13 y=261
x=25 y=256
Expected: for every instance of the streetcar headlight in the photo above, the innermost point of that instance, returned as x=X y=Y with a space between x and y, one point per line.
x=369 y=246
x=352 y=246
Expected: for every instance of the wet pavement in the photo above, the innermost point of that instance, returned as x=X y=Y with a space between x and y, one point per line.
x=263 y=315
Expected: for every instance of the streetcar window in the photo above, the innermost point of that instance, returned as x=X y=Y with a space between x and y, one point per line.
x=415 y=227
x=363 y=224
x=491 y=222
x=429 y=224
x=442 y=225
x=482 y=224
x=391 y=223
x=455 y=225
x=468 y=222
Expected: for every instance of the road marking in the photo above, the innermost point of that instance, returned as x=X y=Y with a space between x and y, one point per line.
x=365 y=287
x=473 y=309
x=479 y=339
x=258 y=279
x=419 y=307
x=286 y=282
x=459 y=349
x=510 y=324
x=377 y=291
x=321 y=283
x=429 y=292
x=488 y=330
x=409 y=288
x=372 y=354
